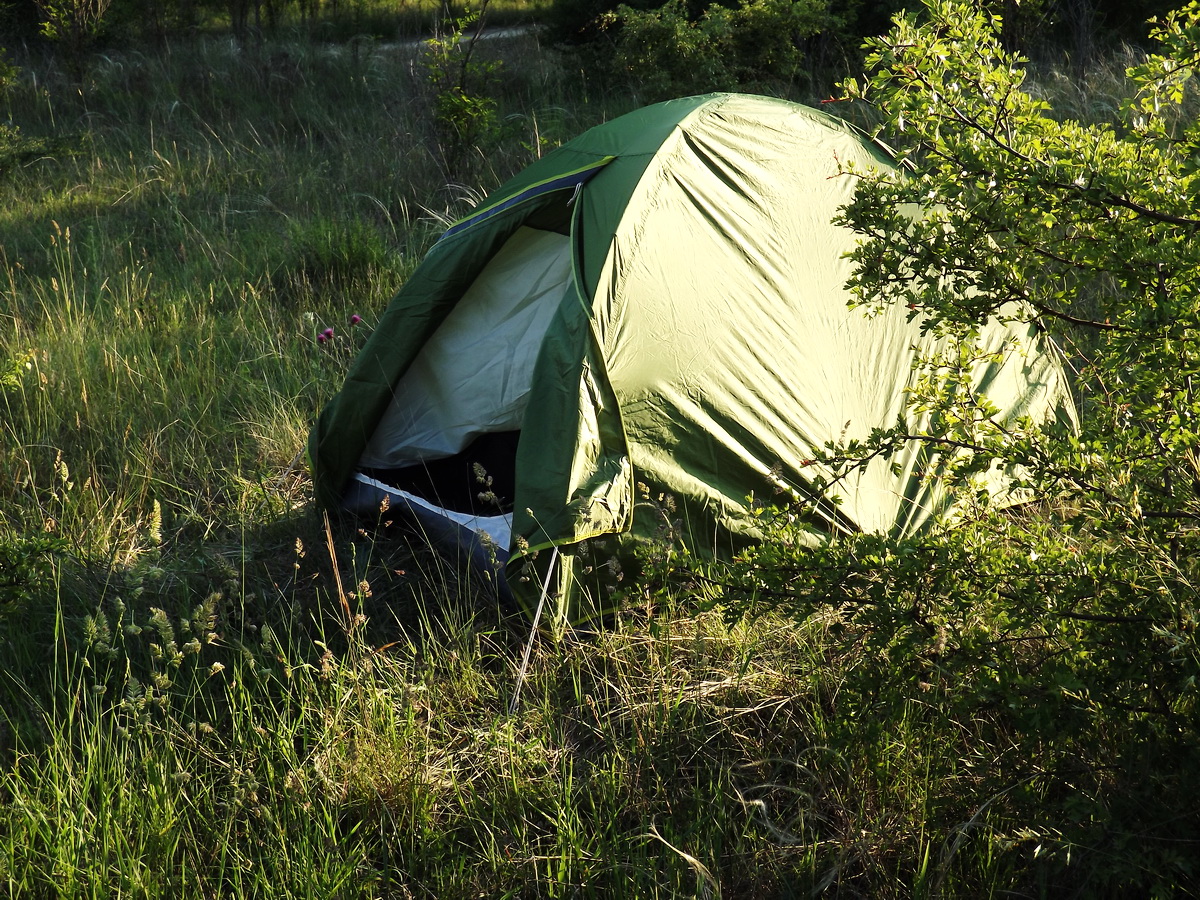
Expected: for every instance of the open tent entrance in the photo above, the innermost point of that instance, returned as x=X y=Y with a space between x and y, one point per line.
x=446 y=446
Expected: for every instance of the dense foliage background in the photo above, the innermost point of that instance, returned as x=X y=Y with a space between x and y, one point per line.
x=208 y=689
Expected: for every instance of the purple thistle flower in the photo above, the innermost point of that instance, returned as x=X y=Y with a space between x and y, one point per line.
x=355 y=319
x=321 y=338
x=328 y=332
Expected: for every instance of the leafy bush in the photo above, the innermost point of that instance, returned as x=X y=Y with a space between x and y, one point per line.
x=74 y=25
x=667 y=51
x=1090 y=233
x=1092 y=229
x=1073 y=672
x=463 y=85
x=1064 y=639
x=15 y=148
x=12 y=371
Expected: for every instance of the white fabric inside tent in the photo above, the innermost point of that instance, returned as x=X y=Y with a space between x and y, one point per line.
x=499 y=325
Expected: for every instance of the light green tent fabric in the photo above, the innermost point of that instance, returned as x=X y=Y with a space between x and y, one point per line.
x=658 y=309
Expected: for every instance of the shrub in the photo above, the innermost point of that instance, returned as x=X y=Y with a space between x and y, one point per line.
x=1073 y=671
x=667 y=52
x=15 y=148
x=463 y=85
x=1064 y=639
x=74 y=25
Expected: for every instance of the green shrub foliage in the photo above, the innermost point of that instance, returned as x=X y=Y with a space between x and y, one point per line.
x=1063 y=635
x=462 y=85
x=669 y=51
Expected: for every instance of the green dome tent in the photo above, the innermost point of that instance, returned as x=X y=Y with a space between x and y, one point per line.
x=657 y=309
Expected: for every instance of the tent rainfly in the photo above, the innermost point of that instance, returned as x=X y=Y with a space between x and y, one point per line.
x=647 y=326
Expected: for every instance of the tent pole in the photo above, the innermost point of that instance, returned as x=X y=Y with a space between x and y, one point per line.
x=537 y=615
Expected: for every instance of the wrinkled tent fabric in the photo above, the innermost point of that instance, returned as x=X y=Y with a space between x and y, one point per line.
x=657 y=310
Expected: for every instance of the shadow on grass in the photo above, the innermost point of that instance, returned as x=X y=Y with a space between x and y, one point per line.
x=148 y=637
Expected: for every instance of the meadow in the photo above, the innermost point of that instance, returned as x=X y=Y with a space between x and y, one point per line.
x=208 y=689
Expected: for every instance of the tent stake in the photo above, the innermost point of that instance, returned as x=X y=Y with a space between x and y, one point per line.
x=537 y=615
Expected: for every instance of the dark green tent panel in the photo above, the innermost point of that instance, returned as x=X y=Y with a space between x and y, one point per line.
x=657 y=309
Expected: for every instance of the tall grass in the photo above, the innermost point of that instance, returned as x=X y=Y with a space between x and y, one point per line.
x=691 y=761
x=210 y=212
